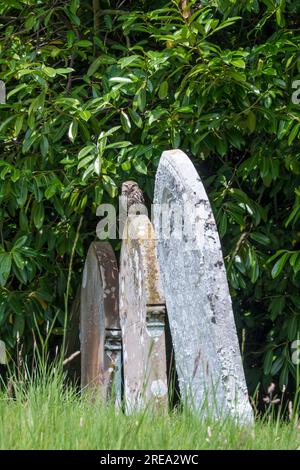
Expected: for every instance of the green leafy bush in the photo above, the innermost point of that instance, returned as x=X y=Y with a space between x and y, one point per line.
x=94 y=97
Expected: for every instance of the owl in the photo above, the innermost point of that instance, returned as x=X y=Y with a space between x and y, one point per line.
x=132 y=202
x=133 y=193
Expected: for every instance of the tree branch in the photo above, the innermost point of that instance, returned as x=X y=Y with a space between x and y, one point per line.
x=96 y=10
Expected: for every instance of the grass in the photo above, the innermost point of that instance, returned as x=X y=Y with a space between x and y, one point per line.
x=45 y=414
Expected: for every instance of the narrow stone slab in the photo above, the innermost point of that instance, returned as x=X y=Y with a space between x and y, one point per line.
x=2 y=352
x=100 y=333
x=142 y=317
x=207 y=353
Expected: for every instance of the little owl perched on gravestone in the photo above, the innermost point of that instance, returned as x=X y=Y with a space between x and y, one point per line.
x=133 y=193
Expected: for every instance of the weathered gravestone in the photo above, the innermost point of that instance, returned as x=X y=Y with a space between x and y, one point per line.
x=207 y=354
x=100 y=333
x=142 y=317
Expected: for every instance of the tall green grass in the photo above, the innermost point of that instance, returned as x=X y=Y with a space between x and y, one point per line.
x=41 y=412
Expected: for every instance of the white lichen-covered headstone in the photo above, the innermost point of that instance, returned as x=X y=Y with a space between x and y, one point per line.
x=100 y=333
x=142 y=318
x=207 y=354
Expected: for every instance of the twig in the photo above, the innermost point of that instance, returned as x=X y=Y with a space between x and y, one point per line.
x=70 y=358
x=69 y=82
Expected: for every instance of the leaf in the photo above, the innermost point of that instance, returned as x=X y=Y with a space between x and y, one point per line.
x=251 y=121
x=20 y=242
x=49 y=71
x=50 y=191
x=97 y=165
x=64 y=71
x=103 y=59
x=279 y=17
x=297 y=265
x=85 y=115
x=110 y=186
x=292 y=328
x=88 y=172
x=260 y=238
x=83 y=43
x=254 y=271
x=136 y=118
x=279 y=265
x=85 y=161
x=73 y=129
x=5 y=267
x=278 y=253
x=277 y=365
x=17 y=89
x=140 y=98
x=94 y=67
x=111 y=131
x=125 y=121
x=223 y=225
x=268 y=361
x=276 y=307
x=44 y=146
x=38 y=214
x=240 y=63
x=294 y=216
x=126 y=166
x=23 y=221
x=185 y=109
x=30 y=22
x=85 y=151
x=293 y=134
x=19 y=325
x=18 y=260
x=120 y=80
x=163 y=90
x=19 y=124
x=125 y=61
x=22 y=193
x=140 y=166
x=74 y=6
x=284 y=377
x=118 y=145
x=293 y=258
x=221 y=146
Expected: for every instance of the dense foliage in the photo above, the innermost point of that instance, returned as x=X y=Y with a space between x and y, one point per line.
x=95 y=92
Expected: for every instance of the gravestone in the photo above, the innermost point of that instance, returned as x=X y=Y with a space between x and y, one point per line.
x=207 y=355
x=142 y=317
x=100 y=334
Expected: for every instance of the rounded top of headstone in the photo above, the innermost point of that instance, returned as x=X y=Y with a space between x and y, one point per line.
x=188 y=183
x=101 y=259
